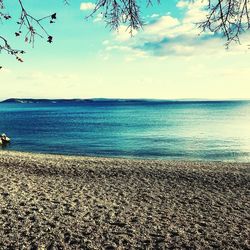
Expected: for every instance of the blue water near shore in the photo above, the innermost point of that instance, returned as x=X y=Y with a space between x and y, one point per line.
x=145 y=129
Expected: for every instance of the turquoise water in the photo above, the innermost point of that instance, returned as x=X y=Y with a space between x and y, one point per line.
x=146 y=129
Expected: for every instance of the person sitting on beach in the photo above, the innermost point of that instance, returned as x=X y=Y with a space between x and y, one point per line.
x=4 y=138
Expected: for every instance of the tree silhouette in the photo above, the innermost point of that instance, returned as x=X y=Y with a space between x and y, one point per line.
x=227 y=17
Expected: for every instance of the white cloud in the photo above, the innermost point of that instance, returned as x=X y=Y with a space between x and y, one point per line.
x=105 y=42
x=195 y=12
x=169 y=26
x=98 y=18
x=123 y=34
x=165 y=35
x=182 y=4
x=163 y=23
x=154 y=15
x=87 y=6
x=118 y=47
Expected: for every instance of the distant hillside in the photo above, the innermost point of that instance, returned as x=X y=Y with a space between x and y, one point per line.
x=113 y=101
x=30 y=100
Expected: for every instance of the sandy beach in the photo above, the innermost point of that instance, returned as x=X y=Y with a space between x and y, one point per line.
x=64 y=202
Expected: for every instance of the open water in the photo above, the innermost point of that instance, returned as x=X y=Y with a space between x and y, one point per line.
x=173 y=130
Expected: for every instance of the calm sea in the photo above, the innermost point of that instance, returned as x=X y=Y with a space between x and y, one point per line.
x=157 y=130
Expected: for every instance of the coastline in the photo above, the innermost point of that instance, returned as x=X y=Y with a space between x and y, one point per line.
x=74 y=202
x=130 y=158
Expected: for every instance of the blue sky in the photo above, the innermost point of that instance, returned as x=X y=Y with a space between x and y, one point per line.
x=166 y=60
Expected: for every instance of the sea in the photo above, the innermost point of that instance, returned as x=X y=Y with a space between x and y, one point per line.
x=141 y=129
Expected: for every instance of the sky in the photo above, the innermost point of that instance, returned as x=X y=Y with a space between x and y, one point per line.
x=168 y=59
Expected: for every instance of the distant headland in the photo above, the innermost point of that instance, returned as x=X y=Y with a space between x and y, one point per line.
x=113 y=100
x=32 y=100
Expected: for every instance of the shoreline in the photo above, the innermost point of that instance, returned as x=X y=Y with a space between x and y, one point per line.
x=132 y=158
x=52 y=201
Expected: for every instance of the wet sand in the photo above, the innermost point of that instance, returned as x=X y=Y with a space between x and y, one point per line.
x=60 y=202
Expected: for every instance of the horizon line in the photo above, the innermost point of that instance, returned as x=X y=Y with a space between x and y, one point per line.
x=128 y=99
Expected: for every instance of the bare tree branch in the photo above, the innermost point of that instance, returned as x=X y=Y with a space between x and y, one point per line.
x=6 y=47
x=27 y=22
x=117 y=12
x=227 y=17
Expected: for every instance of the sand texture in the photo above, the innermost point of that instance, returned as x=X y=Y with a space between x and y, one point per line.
x=59 y=202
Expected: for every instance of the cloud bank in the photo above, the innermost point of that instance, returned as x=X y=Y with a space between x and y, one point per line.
x=168 y=35
x=87 y=6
